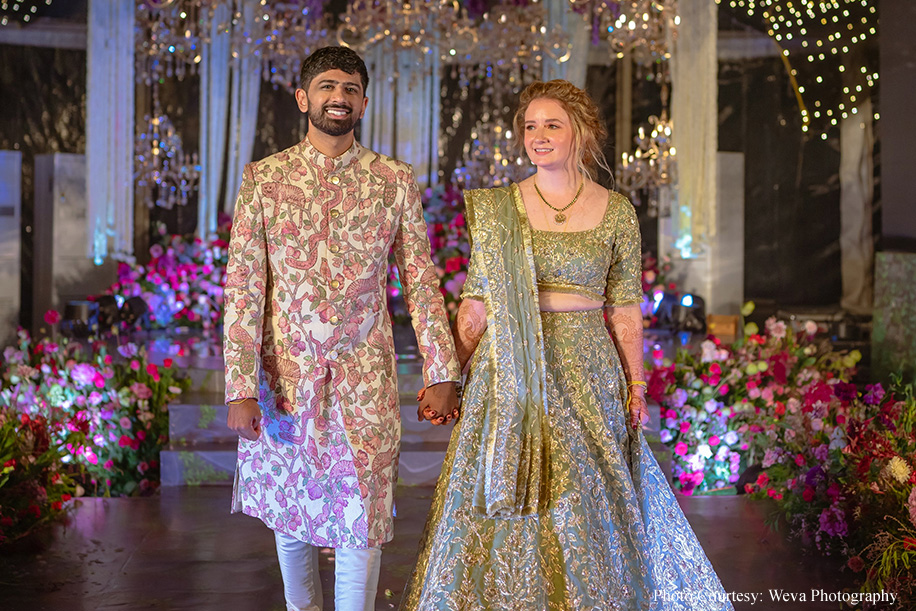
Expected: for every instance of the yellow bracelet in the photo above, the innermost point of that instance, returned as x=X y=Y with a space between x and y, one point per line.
x=238 y=401
x=638 y=383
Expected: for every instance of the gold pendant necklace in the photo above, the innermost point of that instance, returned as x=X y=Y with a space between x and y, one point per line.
x=559 y=217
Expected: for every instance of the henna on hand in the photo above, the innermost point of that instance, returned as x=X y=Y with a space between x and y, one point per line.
x=625 y=326
x=469 y=328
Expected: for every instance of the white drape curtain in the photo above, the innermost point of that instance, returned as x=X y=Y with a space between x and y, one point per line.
x=110 y=129
x=578 y=29
x=402 y=119
x=243 y=111
x=694 y=113
x=214 y=110
x=857 y=249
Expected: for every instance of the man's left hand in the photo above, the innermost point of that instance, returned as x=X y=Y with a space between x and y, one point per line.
x=438 y=403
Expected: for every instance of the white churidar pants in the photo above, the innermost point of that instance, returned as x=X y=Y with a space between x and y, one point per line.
x=356 y=574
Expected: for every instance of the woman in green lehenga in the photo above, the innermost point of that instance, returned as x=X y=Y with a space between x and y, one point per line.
x=550 y=498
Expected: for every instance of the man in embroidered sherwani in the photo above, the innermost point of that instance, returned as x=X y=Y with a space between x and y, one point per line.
x=310 y=364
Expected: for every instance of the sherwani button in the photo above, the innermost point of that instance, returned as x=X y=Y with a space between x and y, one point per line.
x=335 y=179
x=335 y=284
x=332 y=355
x=334 y=248
x=335 y=214
x=334 y=320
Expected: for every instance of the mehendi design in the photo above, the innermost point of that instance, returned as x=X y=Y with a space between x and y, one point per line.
x=470 y=326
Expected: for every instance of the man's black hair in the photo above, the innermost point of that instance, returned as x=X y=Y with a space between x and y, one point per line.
x=333 y=58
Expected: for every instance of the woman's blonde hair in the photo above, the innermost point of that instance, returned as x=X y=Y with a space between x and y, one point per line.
x=589 y=131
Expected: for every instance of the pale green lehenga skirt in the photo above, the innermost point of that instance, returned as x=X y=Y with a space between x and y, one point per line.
x=609 y=534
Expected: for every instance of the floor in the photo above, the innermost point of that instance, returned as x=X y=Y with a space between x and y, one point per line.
x=183 y=550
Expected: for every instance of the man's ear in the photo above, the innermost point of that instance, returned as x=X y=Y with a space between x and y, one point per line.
x=363 y=111
x=302 y=100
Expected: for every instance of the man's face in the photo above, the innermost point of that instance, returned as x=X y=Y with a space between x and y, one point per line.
x=335 y=102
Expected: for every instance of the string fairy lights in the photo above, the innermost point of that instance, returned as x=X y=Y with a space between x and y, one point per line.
x=19 y=10
x=832 y=41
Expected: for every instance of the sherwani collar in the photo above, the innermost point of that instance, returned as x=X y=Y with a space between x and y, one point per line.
x=327 y=164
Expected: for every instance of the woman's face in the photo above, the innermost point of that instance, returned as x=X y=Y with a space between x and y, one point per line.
x=549 y=136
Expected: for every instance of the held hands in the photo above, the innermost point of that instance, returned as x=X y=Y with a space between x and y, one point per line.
x=245 y=419
x=637 y=407
x=438 y=403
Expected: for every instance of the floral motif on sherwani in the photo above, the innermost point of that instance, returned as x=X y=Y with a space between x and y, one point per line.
x=307 y=332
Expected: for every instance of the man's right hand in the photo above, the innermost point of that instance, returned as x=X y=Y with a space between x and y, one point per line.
x=245 y=419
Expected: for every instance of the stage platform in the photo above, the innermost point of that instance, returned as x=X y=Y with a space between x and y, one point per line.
x=182 y=550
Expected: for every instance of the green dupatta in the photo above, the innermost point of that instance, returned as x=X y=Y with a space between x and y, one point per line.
x=513 y=455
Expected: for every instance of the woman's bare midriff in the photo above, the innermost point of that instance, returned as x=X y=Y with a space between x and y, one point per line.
x=567 y=302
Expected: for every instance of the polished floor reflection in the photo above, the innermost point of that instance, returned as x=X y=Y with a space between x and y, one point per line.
x=182 y=550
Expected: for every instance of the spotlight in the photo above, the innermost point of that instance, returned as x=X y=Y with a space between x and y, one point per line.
x=691 y=314
x=109 y=314
x=664 y=307
x=135 y=311
x=80 y=319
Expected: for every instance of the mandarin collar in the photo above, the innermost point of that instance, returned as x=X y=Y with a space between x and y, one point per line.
x=330 y=164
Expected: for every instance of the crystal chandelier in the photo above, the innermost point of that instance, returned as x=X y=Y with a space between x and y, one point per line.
x=641 y=28
x=171 y=33
x=166 y=174
x=425 y=25
x=651 y=169
x=168 y=38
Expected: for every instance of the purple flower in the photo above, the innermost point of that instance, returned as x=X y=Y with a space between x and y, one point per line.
x=821 y=452
x=845 y=391
x=678 y=398
x=813 y=476
x=833 y=521
x=83 y=374
x=873 y=394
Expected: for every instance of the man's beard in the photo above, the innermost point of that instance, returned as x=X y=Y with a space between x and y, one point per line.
x=330 y=125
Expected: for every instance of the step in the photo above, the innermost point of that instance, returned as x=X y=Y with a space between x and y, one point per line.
x=199 y=418
x=199 y=465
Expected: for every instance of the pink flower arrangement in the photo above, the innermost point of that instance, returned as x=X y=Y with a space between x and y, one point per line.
x=104 y=412
x=183 y=282
x=710 y=400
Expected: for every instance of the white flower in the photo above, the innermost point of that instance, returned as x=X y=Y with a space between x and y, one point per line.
x=837 y=439
x=695 y=462
x=731 y=438
x=704 y=450
x=670 y=423
x=711 y=405
x=722 y=453
x=899 y=469
x=810 y=327
x=776 y=328
x=665 y=435
x=709 y=351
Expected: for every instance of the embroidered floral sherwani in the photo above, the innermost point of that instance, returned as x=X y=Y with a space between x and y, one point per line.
x=307 y=332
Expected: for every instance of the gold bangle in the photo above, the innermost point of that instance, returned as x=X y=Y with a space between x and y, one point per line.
x=638 y=383
x=237 y=401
